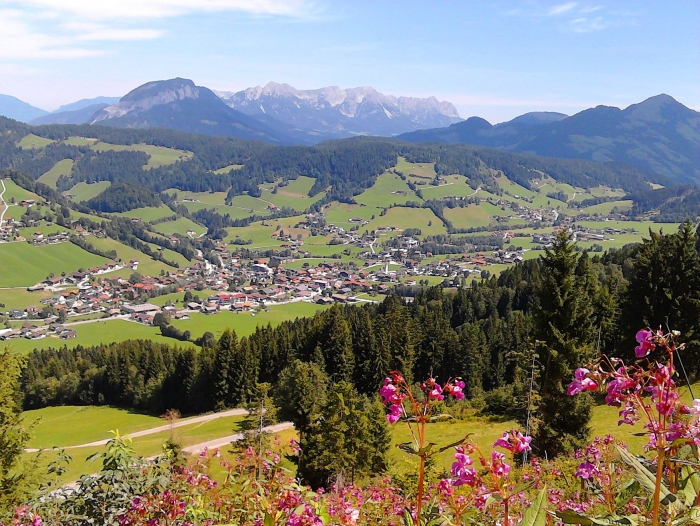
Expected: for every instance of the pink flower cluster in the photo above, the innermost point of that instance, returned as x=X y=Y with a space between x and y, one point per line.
x=581 y=382
x=645 y=339
x=514 y=441
x=393 y=397
x=460 y=471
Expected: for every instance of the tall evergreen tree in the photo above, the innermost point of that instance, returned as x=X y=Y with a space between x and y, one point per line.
x=336 y=344
x=226 y=350
x=564 y=322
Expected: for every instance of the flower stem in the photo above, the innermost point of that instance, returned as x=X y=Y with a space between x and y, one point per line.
x=657 y=489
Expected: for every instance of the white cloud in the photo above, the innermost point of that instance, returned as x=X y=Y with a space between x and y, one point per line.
x=149 y=9
x=588 y=25
x=561 y=9
x=75 y=28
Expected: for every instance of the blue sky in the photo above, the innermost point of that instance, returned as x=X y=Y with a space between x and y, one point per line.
x=492 y=59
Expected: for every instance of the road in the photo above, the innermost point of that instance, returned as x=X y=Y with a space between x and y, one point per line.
x=166 y=427
x=2 y=200
x=224 y=441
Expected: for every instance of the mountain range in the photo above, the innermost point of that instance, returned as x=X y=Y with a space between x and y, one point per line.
x=337 y=113
x=659 y=134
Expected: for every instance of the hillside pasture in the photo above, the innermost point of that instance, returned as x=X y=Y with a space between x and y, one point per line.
x=63 y=167
x=294 y=195
x=148 y=214
x=606 y=208
x=228 y=169
x=388 y=189
x=21 y=298
x=147 y=265
x=80 y=141
x=181 y=226
x=84 y=191
x=468 y=217
x=418 y=170
x=24 y=265
x=33 y=142
x=244 y=323
x=404 y=217
x=159 y=155
x=17 y=193
x=340 y=213
x=455 y=186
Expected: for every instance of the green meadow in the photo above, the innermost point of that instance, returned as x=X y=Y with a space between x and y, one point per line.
x=84 y=191
x=24 y=265
x=63 y=167
x=180 y=226
x=159 y=155
x=79 y=141
x=148 y=214
x=33 y=142
x=228 y=169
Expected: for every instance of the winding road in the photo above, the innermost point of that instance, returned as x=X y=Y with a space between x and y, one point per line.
x=2 y=201
x=166 y=427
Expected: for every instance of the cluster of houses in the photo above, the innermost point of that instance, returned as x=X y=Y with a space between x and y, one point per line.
x=32 y=331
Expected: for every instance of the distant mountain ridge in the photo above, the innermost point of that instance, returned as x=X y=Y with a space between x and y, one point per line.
x=179 y=104
x=78 y=116
x=659 y=134
x=333 y=112
x=19 y=110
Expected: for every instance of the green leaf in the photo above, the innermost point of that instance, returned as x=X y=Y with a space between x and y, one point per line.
x=571 y=517
x=269 y=521
x=408 y=518
x=408 y=447
x=536 y=514
x=645 y=477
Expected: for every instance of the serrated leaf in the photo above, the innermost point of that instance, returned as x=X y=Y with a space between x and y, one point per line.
x=536 y=514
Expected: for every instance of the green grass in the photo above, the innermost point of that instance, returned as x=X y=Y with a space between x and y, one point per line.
x=181 y=226
x=514 y=188
x=469 y=216
x=79 y=141
x=96 y=333
x=84 y=191
x=24 y=265
x=147 y=265
x=73 y=425
x=261 y=234
x=149 y=213
x=63 y=167
x=177 y=297
x=18 y=193
x=419 y=169
x=33 y=142
x=380 y=195
x=295 y=195
x=244 y=323
x=340 y=213
x=605 y=208
x=159 y=155
x=404 y=218
x=457 y=186
x=229 y=168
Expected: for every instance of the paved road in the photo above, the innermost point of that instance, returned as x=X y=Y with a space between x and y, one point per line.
x=160 y=429
x=2 y=200
x=224 y=441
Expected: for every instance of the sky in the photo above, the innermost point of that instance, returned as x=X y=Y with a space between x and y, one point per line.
x=493 y=59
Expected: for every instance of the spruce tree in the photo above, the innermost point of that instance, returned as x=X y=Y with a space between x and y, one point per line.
x=226 y=349
x=564 y=323
x=336 y=343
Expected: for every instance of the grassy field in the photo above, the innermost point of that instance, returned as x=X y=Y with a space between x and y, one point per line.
x=159 y=155
x=244 y=323
x=340 y=213
x=229 y=168
x=113 y=330
x=84 y=191
x=417 y=169
x=79 y=141
x=262 y=231
x=33 y=142
x=148 y=214
x=12 y=191
x=63 y=167
x=295 y=195
x=25 y=265
x=181 y=226
x=147 y=265
x=402 y=217
x=469 y=216
x=605 y=208
x=383 y=193
x=456 y=186
x=21 y=299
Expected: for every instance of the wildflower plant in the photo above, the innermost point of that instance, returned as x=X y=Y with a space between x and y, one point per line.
x=646 y=391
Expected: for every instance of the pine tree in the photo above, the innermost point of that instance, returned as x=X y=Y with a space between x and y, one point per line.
x=336 y=343
x=563 y=321
x=226 y=349
x=15 y=476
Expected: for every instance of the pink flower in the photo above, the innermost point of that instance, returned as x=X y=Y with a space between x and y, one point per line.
x=463 y=474
x=436 y=393
x=586 y=470
x=645 y=339
x=581 y=382
x=395 y=412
